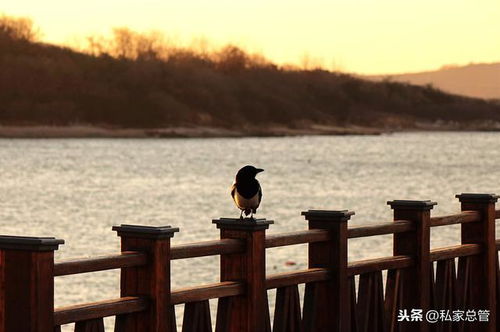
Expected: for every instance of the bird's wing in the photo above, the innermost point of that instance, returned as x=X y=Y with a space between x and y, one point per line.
x=260 y=194
x=233 y=189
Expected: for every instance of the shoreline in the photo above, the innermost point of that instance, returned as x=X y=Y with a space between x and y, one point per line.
x=177 y=132
x=211 y=132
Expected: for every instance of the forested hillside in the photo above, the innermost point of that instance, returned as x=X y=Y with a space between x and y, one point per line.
x=132 y=80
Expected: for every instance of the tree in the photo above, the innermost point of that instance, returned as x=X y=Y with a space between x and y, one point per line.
x=18 y=28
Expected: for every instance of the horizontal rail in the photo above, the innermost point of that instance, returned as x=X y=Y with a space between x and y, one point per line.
x=232 y=288
x=459 y=218
x=379 y=264
x=498 y=244
x=296 y=277
x=497 y=214
x=206 y=292
x=207 y=248
x=462 y=250
x=298 y=237
x=100 y=263
x=398 y=226
x=319 y=235
x=75 y=313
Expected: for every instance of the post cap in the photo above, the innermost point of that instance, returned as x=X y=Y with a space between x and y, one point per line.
x=246 y=224
x=477 y=198
x=145 y=232
x=328 y=215
x=411 y=205
x=28 y=243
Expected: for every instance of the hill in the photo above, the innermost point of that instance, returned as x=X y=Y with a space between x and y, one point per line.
x=131 y=82
x=474 y=80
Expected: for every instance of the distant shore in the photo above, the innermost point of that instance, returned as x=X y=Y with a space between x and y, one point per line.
x=207 y=132
x=179 y=132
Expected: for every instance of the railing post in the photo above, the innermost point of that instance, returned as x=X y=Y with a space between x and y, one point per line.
x=151 y=280
x=27 y=283
x=415 y=280
x=325 y=306
x=483 y=268
x=247 y=313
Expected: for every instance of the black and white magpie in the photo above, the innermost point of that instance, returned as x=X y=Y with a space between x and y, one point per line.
x=246 y=190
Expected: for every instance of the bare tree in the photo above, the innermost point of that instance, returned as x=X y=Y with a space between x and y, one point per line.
x=20 y=28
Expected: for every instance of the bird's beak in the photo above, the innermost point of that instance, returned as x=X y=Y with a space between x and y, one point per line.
x=258 y=170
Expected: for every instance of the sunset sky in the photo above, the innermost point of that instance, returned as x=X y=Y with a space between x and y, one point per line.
x=361 y=36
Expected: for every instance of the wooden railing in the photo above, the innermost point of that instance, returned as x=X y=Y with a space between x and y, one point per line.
x=339 y=295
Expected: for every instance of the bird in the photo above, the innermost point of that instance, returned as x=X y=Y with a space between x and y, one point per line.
x=246 y=190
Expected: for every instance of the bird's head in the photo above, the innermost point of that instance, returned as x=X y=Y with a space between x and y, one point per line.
x=248 y=172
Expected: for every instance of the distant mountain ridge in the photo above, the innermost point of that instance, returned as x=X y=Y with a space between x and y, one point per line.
x=473 y=80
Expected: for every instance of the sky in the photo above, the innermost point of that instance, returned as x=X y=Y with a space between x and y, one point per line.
x=356 y=36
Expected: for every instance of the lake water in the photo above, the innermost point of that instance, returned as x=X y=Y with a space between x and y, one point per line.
x=76 y=189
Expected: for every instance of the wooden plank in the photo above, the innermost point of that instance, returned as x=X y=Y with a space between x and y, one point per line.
x=416 y=278
x=173 y=322
x=297 y=277
x=379 y=264
x=463 y=287
x=398 y=226
x=151 y=280
x=247 y=312
x=267 y=315
x=497 y=214
x=128 y=288
x=351 y=304
x=393 y=299
x=370 y=305
x=87 y=311
x=3 y=292
x=459 y=218
x=93 y=325
x=331 y=255
x=27 y=290
x=207 y=248
x=463 y=283
x=224 y=310
x=298 y=237
x=206 y=292
x=498 y=286
x=123 y=322
x=100 y=263
x=432 y=279
x=312 y=301
x=483 y=266
x=197 y=317
x=287 y=310
x=460 y=250
x=147 y=280
x=445 y=293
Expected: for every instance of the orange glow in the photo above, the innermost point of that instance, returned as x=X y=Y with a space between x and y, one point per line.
x=362 y=36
